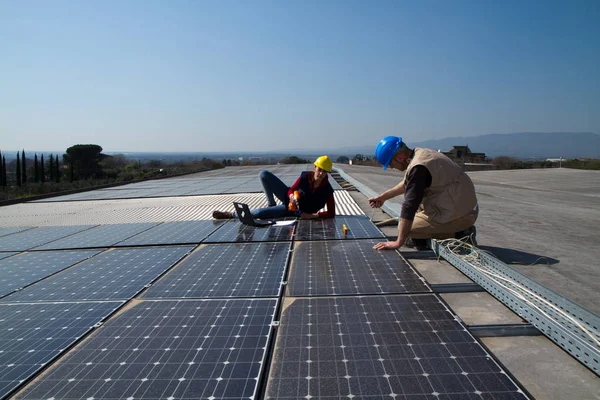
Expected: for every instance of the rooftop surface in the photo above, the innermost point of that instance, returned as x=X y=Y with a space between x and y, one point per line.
x=522 y=216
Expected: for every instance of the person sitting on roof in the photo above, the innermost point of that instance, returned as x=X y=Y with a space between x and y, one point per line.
x=439 y=198
x=314 y=189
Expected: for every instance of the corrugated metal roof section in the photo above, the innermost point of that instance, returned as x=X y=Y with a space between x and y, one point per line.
x=163 y=209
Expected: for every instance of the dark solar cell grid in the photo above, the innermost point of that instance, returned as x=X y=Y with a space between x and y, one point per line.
x=359 y=227
x=31 y=335
x=381 y=347
x=8 y=254
x=344 y=267
x=179 y=232
x=26 y=268
x=113 y=275
x=167 y=350
x=235 y=231
x=35 y=237
x=10 y=231
x=231 y=270
x=101 y=236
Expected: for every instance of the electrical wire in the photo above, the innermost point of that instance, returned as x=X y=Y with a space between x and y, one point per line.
x=473 y=257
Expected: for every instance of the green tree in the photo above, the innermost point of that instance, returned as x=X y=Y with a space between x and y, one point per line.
x=57 y=172
x=36 y=170
x=4 y=171
x=23 y=169
x=42 y=172
x=1 y=171
x=51 y=167
x=342 y=160
x=84 y=160
x=18 y=169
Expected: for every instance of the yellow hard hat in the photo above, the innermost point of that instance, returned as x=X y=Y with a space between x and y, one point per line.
x=324 y=163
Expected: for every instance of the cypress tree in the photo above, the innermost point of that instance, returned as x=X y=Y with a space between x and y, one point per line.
x=51 y=167
x=1 y=171
x=36 y=170
x=57 y=174
x=18 y=169
x=4 y=168
x=23 y=169
x=42 y=172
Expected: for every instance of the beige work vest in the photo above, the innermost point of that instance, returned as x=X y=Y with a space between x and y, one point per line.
x=451 y=194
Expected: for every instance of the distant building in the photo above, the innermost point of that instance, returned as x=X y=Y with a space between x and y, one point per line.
x=462 y=154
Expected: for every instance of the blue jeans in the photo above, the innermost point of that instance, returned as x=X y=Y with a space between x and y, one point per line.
x=273 y=187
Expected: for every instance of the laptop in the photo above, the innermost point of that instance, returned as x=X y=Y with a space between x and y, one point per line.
x=245 y=216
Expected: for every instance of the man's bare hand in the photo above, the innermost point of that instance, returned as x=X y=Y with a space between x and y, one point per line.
x=387 y=246
x=376 y=202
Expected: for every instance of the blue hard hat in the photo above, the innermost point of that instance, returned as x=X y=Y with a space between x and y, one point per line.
x=386 y=149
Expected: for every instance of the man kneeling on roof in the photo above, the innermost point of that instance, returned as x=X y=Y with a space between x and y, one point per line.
x=313 y=188
x=439 y=198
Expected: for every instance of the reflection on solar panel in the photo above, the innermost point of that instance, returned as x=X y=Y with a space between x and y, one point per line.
x=27 y=268
x=359 y=227
x=4 y=255
x=112 y=275
x=10 y=231
x=35 y=237
x=167 y=350
x=235 y=231
x=381 y=347
x=173 y=233
x=349 y=267
x=233 y=270
x=101 y=236
x=31 y=335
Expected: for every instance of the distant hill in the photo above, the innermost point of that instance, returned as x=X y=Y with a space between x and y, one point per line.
x=524 y=145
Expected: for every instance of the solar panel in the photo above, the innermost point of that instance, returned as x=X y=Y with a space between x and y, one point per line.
x=101 y=236
x=31 y=335
x=8 y=254
x=10 y=231
x=27 y=268
x=344 y=267
x=235 y=231
x=174 y=233
x=35 y=237
x=112 y=275
x=358 y=227
x=167 y=350
x=232 y=270
x=381 y=347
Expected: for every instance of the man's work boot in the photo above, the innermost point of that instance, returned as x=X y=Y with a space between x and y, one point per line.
x=222 y=215
x=469 y=235
x=418 y=244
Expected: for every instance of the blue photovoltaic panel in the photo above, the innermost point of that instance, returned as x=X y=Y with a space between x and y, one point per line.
x=179 y=232
x=358 y=227
x=336 y=267
x=381 y=347
x=235 y=231
x=10 y=231
x=4 y=255
x=26 y=268
x=35 y=237
x=101 y=236
x=167 y=350
x=31 y=335
x=231 y=270
x=113 y=275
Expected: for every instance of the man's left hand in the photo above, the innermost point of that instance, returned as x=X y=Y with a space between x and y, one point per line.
x=387 y=245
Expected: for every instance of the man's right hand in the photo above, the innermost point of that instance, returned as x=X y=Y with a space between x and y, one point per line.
x=376 y=202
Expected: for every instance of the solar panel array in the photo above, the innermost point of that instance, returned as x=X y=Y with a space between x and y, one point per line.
x=26 y=268
x=199 y=301
x=381 y=347
x=33 y=335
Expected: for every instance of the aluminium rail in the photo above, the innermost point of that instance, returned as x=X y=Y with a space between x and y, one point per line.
x=571 y=326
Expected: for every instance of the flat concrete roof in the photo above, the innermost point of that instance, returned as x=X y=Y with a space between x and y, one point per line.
x=542 y=222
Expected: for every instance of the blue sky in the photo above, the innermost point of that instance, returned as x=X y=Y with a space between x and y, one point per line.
x=271 y=75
